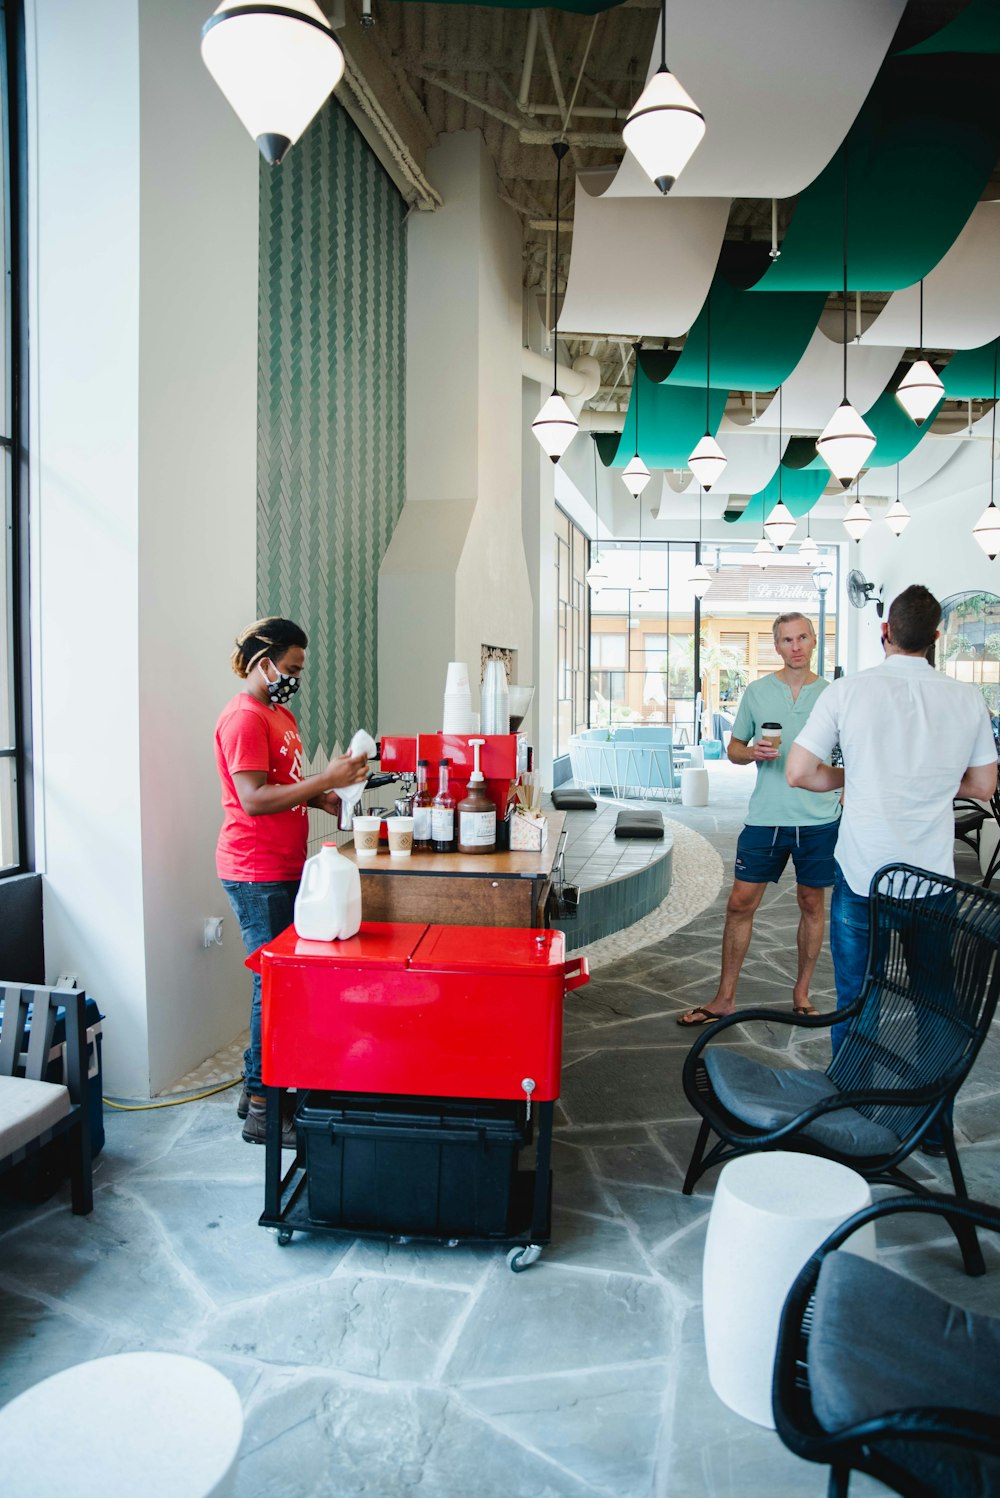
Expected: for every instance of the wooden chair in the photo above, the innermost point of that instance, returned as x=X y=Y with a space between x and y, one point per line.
x=926 y=1004
x=873 y=1373
x=33 y=1110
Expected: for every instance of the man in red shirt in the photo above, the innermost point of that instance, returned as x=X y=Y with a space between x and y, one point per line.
x=262 y=844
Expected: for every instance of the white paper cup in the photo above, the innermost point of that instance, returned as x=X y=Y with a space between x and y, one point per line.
x=400 y=831
x=457 y=677
x=366 y=836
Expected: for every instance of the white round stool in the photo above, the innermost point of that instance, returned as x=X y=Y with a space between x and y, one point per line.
x=696 y=757
x=694 y=787
x=136 y=1425
x=770 y=1212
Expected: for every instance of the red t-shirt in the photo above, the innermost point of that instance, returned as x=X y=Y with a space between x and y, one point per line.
x=252 y=736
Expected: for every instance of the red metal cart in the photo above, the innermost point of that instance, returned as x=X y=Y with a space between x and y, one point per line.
x=411 y=1012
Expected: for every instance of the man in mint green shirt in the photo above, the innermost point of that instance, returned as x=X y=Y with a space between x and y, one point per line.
x=782 y=821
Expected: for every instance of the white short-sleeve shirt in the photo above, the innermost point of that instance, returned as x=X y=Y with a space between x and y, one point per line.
x=908 y=733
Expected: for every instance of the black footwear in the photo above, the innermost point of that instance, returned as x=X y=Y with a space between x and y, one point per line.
x=255 y=1127
x=929 y=1147
x=243 y=1102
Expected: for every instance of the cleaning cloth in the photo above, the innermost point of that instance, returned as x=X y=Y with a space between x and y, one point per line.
x=362 y=743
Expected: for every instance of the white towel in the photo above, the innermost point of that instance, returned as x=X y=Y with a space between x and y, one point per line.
x=362 y=743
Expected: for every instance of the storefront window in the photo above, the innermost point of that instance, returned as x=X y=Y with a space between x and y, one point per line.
x=969 y=646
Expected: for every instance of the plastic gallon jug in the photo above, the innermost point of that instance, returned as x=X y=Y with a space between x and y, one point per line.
x=328 y=904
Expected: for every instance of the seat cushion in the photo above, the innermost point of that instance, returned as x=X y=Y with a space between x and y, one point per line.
x=572 y=798
x=768 y=1096
x=27 y=1109
x=639 y=824
x=880 y=1343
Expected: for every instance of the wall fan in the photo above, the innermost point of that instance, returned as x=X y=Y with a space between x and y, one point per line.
x=860 y=591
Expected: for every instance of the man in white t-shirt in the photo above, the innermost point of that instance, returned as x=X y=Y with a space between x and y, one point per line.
x=912 y=740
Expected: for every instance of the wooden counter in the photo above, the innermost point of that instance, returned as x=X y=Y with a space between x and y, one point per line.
x=459 y=889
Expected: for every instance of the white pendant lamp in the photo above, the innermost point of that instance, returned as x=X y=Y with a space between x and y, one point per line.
x=597 y=573
x=808 y=550
x=700 y=579
x=763 y=551
x=555 y=426
x=707 y=462
x=635 y=476
x=919 y=391
x=780 y=525
x=857 y=520
x=987 y=528
x=897 y=516
x=276 y=64
x=847 y=440
x=665 y=126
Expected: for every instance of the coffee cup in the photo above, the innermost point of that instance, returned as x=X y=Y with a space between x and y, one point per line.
x=770 y=734
x=400 y=830
x=366 y=836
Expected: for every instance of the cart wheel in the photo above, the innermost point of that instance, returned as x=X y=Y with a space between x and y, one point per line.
x=284 y=1236
x=520 y=1259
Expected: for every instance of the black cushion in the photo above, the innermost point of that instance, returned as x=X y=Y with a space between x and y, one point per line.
x=639 y=824
x=881 y=1343
x=768 y=1096
x=572 y=798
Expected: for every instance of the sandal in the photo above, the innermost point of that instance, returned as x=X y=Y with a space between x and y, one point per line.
x=707 y=1018
x=805 y=1009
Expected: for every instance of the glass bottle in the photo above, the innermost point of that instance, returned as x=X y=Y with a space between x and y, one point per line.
x=443 y=813
x=422 y=802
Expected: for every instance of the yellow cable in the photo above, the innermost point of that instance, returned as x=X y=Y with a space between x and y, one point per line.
x=174 y=1103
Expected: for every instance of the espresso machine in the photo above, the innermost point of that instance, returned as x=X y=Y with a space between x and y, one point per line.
x=402 y=805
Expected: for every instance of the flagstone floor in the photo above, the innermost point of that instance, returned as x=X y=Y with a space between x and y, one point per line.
x=377 y=1370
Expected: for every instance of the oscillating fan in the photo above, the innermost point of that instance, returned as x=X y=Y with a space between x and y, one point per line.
x=860 y=591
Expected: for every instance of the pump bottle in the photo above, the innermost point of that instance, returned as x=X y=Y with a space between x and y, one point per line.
x=477 y=814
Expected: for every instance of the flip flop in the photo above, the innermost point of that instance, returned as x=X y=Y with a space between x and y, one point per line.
x=806 y=1009
x=707 y=1018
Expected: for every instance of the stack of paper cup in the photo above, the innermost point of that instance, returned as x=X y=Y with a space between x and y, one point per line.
x=457 y=715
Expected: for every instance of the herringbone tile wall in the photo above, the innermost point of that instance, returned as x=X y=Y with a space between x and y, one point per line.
x=331 y=430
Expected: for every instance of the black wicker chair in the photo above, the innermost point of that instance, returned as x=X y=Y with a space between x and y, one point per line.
x=970 y=818
x=928 y=997
x=875 y=1374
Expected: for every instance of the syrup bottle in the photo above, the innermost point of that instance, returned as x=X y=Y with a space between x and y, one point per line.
x=443 y=813
x=422 y=802
x=477 y=814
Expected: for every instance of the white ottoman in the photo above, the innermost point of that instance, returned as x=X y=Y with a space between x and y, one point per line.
x=137 y=1425
x=770 y=1212
x=694 y=787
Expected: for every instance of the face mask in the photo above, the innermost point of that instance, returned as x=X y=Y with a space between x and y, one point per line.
x=282 y=689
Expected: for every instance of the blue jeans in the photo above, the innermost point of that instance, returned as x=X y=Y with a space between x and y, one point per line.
x=849 y=949
x=263 y=911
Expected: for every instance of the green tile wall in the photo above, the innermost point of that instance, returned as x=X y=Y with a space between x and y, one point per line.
x=330 y=410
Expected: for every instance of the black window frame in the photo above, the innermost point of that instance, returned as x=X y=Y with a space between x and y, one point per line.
x=14 y=443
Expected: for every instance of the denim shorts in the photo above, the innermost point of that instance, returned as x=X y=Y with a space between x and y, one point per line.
x=763 y=852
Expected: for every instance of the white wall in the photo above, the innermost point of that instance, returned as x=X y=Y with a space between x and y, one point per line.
x=142 y=271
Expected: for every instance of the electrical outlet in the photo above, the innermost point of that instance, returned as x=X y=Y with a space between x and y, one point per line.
x=213 y=930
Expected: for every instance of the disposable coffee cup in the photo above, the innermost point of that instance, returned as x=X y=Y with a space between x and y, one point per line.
x=400 y=831
x=770 y=733
x=366 y=836
x=457 y=678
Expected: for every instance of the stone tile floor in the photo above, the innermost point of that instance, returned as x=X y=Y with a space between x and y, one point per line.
x=377 y=1370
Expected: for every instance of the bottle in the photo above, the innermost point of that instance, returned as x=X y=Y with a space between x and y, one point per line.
x=422 y=802
x=477 y=815
x=443 y=813
x=328 y=903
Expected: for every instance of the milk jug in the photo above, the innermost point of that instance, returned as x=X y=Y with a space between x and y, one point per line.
x=328 y=904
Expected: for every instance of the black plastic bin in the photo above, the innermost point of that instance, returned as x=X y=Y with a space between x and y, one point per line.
x=436 y=1167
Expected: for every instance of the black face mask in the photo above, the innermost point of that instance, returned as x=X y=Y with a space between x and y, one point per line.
x=281 y=690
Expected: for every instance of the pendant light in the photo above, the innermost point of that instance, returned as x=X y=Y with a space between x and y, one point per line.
x=847 y=440
x=276 y=64
x=857 y=520
x=636 y=475
x=640 y=593
x=779 y=526
x=919 y=391
x=808 y=550
x=763 y=551
x=987 y=528
x=897 y=516
x=555 y=426
x=700 y=578
x=708 y=462
x=665 y=126
x=597 y=573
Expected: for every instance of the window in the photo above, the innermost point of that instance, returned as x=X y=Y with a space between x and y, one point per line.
x=969 y=646
x=642 y=646
x=572 y=558
x=13 y=635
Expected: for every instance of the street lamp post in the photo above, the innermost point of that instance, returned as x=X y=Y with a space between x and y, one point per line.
x=822 y=578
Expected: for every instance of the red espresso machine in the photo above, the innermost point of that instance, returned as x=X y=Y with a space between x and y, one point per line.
x=502 y=758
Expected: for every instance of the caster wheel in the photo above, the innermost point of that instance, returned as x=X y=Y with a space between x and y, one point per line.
x=284 y=1236
x=520 y=1259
